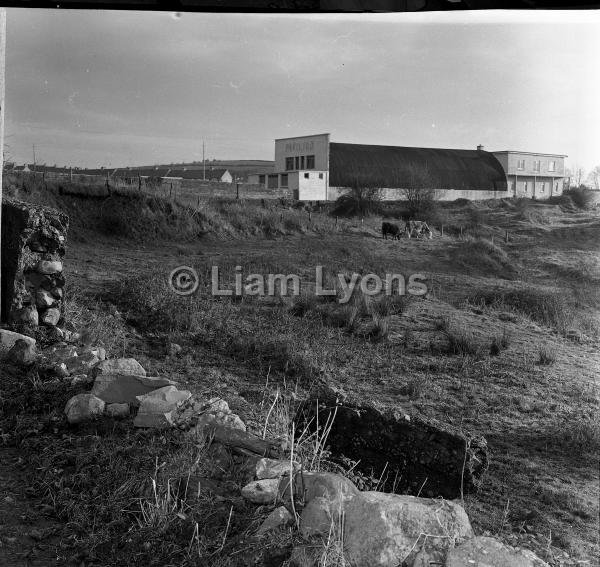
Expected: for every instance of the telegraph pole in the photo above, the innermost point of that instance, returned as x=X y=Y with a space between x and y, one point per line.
x=203 y=163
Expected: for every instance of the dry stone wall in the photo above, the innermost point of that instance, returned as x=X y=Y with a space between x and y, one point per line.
x=33 y=247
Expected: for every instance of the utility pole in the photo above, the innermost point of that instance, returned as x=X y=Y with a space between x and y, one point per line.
x=203 y=163
x=34 y=158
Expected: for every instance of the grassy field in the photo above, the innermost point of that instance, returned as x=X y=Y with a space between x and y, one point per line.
x=504 y=344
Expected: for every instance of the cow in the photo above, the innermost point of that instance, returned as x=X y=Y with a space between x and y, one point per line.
x=392 y=229
x=418 y=229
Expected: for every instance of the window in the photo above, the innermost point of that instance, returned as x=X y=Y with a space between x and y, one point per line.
x=284 y=180
x=289 y=163
x=520 y=164
x=320 y=176
x=536 y=165
x=301 y=162
x=297 y=163
x=261 y=179
x=306 y=175
x=310 y=162
x=273 y=179
x=552 y=166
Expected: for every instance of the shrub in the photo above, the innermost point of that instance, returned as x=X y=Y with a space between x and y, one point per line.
x=359 y=201
x=546 y=356
x=483 y=255
x=582 y=197
x=546 y=307
x=499 y=343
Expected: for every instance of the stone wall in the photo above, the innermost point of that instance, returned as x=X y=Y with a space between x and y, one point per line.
x=33 y=246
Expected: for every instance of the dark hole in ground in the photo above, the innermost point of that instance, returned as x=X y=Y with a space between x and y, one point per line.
x=416 y=456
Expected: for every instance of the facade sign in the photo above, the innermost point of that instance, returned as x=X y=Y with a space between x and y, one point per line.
x=299 y=146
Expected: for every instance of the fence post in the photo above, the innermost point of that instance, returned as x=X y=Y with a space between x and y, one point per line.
x=139 y=182
x=336 y=222
x=309 y=216
x=198 y=204
x=237 y=190
x=506 y=237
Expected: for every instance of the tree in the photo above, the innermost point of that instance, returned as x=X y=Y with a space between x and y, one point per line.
x=362 y=194
x=576 y=175
x=594 y=178
x=419 y=191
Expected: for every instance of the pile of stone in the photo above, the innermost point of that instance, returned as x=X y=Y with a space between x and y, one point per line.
x=33 y=245
x=372 y=529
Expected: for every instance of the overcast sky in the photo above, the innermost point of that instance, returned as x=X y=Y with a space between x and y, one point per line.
x=93 y=88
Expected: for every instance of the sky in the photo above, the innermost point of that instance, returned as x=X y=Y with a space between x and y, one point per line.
x=100 y=88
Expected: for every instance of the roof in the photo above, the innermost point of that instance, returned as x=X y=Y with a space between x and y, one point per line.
x=396 y=166
x=185 y=173
x=309 y=136
x=528 y=153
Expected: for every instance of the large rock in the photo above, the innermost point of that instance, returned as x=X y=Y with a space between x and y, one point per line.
x=125 y=388
x=81 y=364
x=23 y=353
x=310 y=485
x=51 y=316
x=420 y=456
x=489 y=552
x=261 y=491
x=156 y=407
x=274 y=468
x=9 y=338
x=383 y=530
x=321 y=516
x=117 y=410
x=118 y=366
x=280 y=517
x=83 y=407
x=203 y=415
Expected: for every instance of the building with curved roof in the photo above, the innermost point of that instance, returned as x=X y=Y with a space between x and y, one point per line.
x=312 y=168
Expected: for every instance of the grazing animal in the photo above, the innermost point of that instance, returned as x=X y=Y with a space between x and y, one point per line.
x=392 y=229
x=418 y=229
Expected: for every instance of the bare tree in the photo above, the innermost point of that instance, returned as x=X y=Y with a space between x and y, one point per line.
x=594 y=178
x=576 y=175
x=362 y=194
x=418 y=188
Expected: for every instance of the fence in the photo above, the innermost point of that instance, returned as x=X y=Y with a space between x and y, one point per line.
x=188 y=191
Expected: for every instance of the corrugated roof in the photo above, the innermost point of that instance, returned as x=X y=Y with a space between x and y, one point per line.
x=395 y=166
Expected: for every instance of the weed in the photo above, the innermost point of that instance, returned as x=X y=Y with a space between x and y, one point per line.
x=546 y=356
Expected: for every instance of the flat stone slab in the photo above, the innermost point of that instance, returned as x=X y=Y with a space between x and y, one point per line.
x=157 y=406
x=125 y=388
x=118 y=366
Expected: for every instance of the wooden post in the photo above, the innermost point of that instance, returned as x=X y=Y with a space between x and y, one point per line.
x=309 y=216
x=237 y=190
x=198 y=204
x=336 y=222
x=442 y=230
x=139 y=182
x=506 y=236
